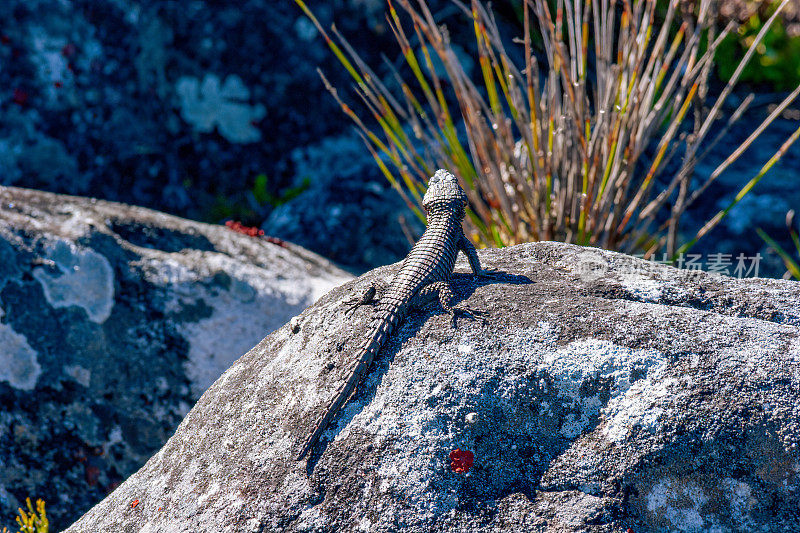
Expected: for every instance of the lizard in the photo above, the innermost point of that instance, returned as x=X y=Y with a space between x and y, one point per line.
x=425 y=273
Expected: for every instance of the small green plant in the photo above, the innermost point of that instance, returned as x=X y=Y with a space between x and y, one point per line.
x=263 y=196
x=792 y=264
x=32 y=520
x=777 y=59
x=557 y=149
x=249 y=205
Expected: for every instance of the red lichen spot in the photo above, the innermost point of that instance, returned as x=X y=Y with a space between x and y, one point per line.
x=275 y=240
x=461 y=461
x=238 y=227
x=69 y=50
x=629 y=530
x=134 y=503
x=20 y=97
x=160 y=508
x=58 y=84
x=5 y=39
x=92 y=474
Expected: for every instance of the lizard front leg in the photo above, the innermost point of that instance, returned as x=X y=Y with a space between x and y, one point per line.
x=467 y=247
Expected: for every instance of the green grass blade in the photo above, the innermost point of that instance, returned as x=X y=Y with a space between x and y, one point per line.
x=742 y=193
x=791 y=265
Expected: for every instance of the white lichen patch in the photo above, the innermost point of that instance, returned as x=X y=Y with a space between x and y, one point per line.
x=521 y=341
x=578 y=361
x=573 y=366
x=7 y=500
x=81 y=420
x=464 y=348
x=52 y=65
x=18 y=364
x=114 y=437
x=574 y=425
x=252 y=303
x=78 y=373
x=587 y=263
x=679 y=504
x=86 y=280
x=740 y=500
x=311 y=519
x=754 y=356
x=51 y=56
x=639 y=407
x=224 y=105
x=794 y=354
x=77 y=225
x=642 y=288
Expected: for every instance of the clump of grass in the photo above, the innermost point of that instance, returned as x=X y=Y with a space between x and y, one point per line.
x=792 y=264
x=571 y=147
x=32 y=520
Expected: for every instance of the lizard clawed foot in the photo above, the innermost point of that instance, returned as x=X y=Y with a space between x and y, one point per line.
x=490 y=273
x=368 y=298
x=354 y=304
x=472 y=314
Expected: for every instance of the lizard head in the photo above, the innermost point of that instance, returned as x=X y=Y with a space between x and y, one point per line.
x=444 y=191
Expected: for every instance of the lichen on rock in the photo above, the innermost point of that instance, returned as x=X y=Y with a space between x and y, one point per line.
x=18 y=364
x=85 y=278
x=209 y=104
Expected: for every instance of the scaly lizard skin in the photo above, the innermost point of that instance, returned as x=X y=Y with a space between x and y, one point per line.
x=425 y=271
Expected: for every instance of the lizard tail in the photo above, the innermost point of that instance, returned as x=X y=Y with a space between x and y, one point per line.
x=380 y=329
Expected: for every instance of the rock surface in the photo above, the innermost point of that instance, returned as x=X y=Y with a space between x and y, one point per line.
x=599 y=392
x=113 y=321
